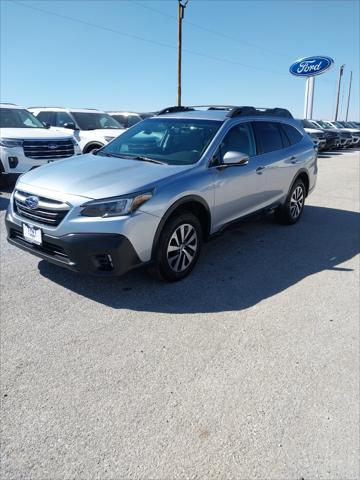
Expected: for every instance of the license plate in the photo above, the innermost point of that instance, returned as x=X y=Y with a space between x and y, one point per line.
x=32 y=234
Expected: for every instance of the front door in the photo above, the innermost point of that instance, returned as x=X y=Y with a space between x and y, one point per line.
x=239 y=189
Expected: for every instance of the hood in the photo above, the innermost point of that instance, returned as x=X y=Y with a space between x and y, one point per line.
x=312 y=130
x=31 y=133
x=97 y=177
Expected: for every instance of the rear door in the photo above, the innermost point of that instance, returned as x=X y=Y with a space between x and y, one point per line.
x=280 y=157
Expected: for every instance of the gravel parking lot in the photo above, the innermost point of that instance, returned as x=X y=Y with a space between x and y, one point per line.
x=248 y=369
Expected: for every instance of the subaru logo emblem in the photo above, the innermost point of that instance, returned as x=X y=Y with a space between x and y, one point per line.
x=32 y=202
x=52 y=146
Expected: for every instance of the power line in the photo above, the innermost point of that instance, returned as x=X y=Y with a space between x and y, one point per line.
x=210 y=30
x=137 y=37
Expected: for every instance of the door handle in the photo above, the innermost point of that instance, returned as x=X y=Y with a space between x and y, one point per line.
x=259 y=170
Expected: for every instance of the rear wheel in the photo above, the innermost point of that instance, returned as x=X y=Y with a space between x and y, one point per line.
x=178 y=248
x=291 y=211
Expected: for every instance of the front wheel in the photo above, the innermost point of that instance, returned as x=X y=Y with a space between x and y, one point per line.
x=291 y=211
x=178 y=248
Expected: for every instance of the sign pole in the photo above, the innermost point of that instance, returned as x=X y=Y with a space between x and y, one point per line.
x=311 y=96
x=306 y=102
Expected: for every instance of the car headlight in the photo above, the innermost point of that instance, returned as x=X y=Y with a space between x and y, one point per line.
x=108 y=139
x=10 y=142
x=115 y=207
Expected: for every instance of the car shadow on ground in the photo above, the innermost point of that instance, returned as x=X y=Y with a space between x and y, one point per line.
x=254 y=261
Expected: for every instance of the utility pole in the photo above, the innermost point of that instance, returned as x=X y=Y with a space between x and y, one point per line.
x=348 y=102
x=338 y=91
x=181 y=9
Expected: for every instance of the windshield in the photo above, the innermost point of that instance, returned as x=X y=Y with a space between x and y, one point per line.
x=308 y=124
x=94 y=120
x=338 y=125
x=169 y=140
x=323 y=124
x=18 y=118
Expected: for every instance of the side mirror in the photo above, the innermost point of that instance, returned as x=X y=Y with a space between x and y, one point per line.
x=46 y=125
x=70 y=126
x=235 y=158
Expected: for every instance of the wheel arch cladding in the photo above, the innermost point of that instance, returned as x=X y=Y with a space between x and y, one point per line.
x=190 y=203
x=304 y=176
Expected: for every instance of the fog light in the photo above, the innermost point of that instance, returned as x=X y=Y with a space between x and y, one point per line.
x=13 y=161
x=104 y=262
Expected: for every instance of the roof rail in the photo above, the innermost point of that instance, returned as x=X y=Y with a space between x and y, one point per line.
x=214 y=107
x=175 y=110
x=252 y=111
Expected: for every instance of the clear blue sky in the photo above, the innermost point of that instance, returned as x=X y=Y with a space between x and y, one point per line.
x=122 y=53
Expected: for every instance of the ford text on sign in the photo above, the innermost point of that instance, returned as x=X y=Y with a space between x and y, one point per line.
x=310 y=66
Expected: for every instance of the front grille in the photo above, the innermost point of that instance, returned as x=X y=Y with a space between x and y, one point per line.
x=46 y=149
x=48 y=212
x=47 y=248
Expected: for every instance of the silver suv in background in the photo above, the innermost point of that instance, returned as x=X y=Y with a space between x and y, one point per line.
x=153 y=195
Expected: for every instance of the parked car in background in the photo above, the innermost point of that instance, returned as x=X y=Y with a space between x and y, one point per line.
x=353 y=129
x=316 y=134
x=25 y=143
x=345 y=136
x=332 y=136
x=355 y=133
x=92 y=128
x=155 y=193
x=126 y=119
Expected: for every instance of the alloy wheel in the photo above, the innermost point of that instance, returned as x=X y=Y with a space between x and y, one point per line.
x=182 y=247
x=296 y=202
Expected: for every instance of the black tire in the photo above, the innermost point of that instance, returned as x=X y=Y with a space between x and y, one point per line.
x=165 y=263
x=91 y=148
x=291 y=211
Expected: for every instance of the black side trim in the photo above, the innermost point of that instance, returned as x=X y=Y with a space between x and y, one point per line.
x=170 y=211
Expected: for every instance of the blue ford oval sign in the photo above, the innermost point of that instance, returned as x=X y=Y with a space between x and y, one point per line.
x=310 y=66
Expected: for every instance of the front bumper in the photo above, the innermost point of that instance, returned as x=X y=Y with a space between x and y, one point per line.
x=87 y=253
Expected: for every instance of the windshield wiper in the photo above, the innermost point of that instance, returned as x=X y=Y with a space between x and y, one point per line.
x=148 y=159
x=142 y=158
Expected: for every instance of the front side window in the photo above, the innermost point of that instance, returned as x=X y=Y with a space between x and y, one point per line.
x=62 y=118
x=239 y=139
x=94 y=120
x=268 y=136
x=169 y=140
x=18 y=118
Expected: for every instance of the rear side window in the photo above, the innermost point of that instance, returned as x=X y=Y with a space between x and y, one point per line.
x=47 y=117
x=268 y=136
x=121 y=119
x=62 y=118
x=292 y=133
x=133 y=120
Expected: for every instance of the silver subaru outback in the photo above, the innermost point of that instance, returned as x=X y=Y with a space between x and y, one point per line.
x=158 y=191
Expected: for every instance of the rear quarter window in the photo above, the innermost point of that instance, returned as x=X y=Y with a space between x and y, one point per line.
x=292 y=133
